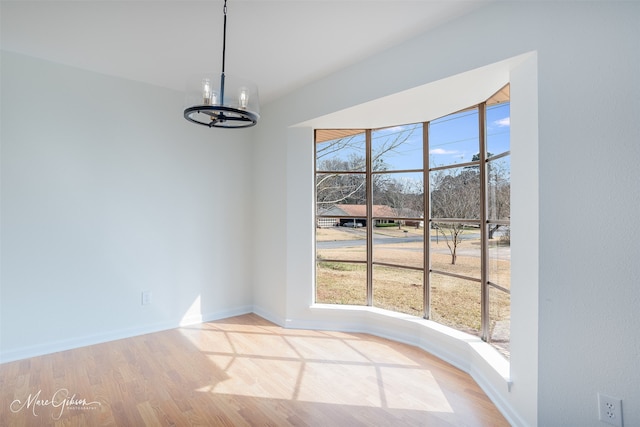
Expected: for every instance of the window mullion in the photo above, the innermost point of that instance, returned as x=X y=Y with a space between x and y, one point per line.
x=426 y=203
x=369 y=228
x=484 y=236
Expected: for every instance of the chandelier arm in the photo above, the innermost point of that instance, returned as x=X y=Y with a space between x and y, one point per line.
x=218 y=115
x=214 y=114
x=237 y=119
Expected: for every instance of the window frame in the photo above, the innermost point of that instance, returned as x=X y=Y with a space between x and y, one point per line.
x=483 y=221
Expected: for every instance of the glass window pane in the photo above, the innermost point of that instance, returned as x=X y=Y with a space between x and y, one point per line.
x=398 y=194
x=455 y=248
x=398 y=289
x=342 y=154
x=403 y=246
x=398 y=219
x=341 y=243
x=397 y=148
x=455 y=193
x=499 y=262
x=500 y=320
x=499 y=188
x=498 y=129
x=455 y=303
x=341 y=283
x=454 y=138
x=337 y=192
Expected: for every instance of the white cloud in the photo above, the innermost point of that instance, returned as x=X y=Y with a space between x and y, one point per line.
x=442 y=151
x=393 y=129
x=503 y=122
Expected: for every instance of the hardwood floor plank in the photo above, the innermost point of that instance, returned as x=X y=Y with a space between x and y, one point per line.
x=242 y=371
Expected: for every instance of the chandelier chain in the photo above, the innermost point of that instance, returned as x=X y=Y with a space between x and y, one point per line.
x=224 y=35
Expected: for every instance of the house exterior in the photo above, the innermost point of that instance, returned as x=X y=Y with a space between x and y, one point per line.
x=350 y=215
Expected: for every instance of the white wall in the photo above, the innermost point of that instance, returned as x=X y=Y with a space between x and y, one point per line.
x=269 y=216
x=587 y=63
x=589 y=151
x=107 y=191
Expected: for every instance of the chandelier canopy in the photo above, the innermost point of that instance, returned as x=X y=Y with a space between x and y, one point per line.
x=224 y=102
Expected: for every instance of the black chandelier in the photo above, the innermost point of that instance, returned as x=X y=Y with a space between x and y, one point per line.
x=231 y=104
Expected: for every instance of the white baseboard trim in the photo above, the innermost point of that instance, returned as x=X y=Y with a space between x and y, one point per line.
x=489 y=387
x=271 y=317
x=77 y=342
x=221 y=314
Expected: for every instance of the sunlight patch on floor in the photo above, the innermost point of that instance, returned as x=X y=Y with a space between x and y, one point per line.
x=260 y=377
x=316 y=366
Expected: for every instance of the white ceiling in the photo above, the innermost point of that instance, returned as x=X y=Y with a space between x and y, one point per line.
x=279 y=44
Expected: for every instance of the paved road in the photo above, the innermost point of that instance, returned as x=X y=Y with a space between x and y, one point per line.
x=383 y=240
x=335 y=244
x=501 y=252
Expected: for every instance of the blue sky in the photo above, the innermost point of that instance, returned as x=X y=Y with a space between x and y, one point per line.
x=453 y=139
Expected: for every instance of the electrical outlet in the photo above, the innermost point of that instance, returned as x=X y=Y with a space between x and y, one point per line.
x=610 y=410
x=146 y=297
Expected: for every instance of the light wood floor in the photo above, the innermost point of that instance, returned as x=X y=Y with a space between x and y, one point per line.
x=242 y=371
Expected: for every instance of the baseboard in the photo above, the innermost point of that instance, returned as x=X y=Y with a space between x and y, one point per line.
x=69 y=344
x=222 y=314
x=271 y=317
x=497 y=398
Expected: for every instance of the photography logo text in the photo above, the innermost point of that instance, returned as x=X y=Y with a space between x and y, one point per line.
x=59 y=401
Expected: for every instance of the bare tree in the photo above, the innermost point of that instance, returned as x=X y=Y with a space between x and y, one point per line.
x=405 y=196
x=333 y=185
x=499 y=190
x=455 y=195
x=326 y=152
x=499 y=193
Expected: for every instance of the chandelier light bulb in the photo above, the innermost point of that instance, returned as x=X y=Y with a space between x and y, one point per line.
x=206 y=92
x=243 y=98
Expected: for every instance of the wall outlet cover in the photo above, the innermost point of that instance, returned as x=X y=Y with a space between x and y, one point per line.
x=610 y=410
